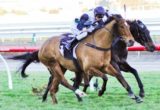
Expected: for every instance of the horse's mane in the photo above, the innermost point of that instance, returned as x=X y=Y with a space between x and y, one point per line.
x=109 y=19
x=116 y=17
x=113 y=17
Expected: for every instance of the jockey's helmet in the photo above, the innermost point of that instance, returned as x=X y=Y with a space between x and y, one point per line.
x=99 y=12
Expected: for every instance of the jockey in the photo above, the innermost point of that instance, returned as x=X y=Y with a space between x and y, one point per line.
x=88 y=22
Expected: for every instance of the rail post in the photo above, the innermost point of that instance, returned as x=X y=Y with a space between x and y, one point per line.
x=10 y=85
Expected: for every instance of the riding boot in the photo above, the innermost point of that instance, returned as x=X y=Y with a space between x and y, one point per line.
x=71 y=44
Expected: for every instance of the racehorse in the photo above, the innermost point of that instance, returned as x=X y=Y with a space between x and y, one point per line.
x=142 y=36
x=120 y=53
x=50 y=56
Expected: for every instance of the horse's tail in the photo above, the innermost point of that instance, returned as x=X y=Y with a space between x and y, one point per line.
x=28 y=59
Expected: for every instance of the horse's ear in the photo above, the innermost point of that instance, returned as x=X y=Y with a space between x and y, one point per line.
x=134 y=21
x=139 y=21
x=129 y=21
x=118 y=16
x=114 y=17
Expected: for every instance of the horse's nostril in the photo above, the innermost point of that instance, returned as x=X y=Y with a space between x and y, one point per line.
x=131 y=42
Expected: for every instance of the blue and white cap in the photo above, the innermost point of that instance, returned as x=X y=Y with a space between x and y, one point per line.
x=99 y=11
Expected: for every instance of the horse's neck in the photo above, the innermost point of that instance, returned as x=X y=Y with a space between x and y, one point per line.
x=104 y=37
x=133 y=28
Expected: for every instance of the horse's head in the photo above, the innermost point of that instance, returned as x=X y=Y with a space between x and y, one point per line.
x=141 y=34
x=123 y=30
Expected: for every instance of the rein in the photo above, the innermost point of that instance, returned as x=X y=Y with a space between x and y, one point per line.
x=99 y=48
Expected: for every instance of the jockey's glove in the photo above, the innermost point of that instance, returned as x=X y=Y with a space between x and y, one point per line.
x=84 y=30
x=87 y=23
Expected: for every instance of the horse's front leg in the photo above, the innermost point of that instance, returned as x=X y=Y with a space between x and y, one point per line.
x=115 y=71
x=77 y=80
x=124 y=66
x=111 y=70
x=86 y=82
x=96 y=72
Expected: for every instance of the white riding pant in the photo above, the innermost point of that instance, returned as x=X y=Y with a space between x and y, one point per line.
x=81 y=35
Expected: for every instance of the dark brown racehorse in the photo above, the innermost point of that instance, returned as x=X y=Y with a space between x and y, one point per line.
x=50 y=56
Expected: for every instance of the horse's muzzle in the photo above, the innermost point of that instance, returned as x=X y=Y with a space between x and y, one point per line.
x=150 y=47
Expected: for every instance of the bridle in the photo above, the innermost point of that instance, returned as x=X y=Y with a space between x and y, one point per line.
x=100 y=48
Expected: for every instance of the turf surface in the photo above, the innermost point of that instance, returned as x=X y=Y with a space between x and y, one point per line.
x=115 y=97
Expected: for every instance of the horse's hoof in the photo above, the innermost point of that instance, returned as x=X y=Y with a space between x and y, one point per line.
x=79 y=98
x=132 y=96
x=84 y=90
x=141 y=95
x=100 y=93
x=139 y=100
x=55 y=102
x=24 y=75
x=44 y=99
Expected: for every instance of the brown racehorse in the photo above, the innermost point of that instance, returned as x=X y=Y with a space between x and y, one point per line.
x=91 y=60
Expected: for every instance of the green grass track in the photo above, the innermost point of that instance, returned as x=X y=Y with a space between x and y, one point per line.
x=115 y=97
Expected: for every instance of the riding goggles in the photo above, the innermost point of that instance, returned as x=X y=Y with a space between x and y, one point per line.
x=99 y=15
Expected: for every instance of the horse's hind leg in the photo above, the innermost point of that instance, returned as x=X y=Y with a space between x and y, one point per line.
x=49 y=84
x=54 y=89
x=59 y=73
x=96 y=72
x=47 y=89
x=127 y=68
x=24 y=66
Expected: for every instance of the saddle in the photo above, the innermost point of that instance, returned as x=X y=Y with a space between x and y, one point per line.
x=69 y=54
x=66 y=38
